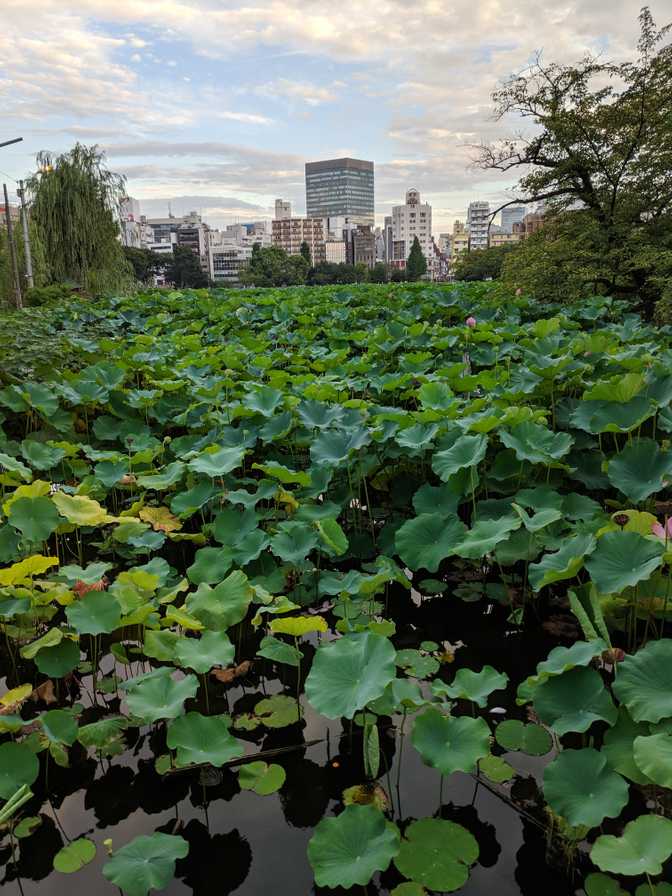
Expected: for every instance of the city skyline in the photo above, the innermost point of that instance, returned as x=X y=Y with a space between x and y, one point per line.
x=219 y=109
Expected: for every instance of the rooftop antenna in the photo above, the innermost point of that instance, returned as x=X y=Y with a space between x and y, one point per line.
x=170 y=211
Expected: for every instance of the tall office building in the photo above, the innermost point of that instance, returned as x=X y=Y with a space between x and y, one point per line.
x=412 y=219
x=478 y=225
x=511 y=215
x=340 y=187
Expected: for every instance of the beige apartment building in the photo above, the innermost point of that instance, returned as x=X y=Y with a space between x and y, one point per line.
x=289 y=233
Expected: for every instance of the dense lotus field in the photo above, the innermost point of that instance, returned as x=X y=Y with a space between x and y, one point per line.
x=219 y=513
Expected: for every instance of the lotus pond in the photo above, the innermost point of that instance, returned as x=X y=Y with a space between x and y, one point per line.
x=314 y=590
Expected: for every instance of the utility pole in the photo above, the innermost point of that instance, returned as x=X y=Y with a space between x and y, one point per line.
x=26 y=236
x=12 y=251
x=9 y=142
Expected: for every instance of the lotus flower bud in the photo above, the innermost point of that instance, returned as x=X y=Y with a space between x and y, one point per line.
x=471 y=322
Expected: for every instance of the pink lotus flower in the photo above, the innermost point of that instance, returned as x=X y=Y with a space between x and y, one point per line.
x=663 y=532
x=471 y=322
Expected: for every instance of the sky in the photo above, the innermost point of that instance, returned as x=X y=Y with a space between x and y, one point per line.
x=215 y=105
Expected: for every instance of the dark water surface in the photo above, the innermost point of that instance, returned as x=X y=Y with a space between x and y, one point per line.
x=256 y=845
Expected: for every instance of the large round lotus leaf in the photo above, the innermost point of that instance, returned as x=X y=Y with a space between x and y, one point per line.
x=598 y=884
x=199 y=738
x=146 y=863
x=450 y=743
x=75 y=855
x=496 y=769
x=418 y=436
x=422 y=543
x=18 y=766
x=645 y=844
x=201 y=654
x=279 y=651
x=563 y=564
x=621 y=559
x=560 y=660
x=580 y=786
x=277 y=711
x=90 y=574
x=526 y=738
x=35 y=518
x=297 y=626
x=435 y=396
x=485 y=535
x=57 y=661
x=653 y=756
x=612 y=416
x=437 y=853
x=60 y=726
x=618 y=746
x=644 y=682
x=97 y=613
x=210 y=565
x=640 y=469
x=659 y=889
x=224 y=605
x=350 y=848
x=573 y=701
x=466 y=451
x=157 y=695
x=41 y=456
x=261 y=777
x=476 y=686
x=294 y=541
x=80 y=510
x=216 y=461
x=348 y=673
x=536 y=443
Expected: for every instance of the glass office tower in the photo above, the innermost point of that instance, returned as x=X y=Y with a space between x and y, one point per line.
x=340 y=187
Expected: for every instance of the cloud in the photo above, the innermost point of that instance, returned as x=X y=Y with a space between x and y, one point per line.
x=411 y=81
x=310 y=94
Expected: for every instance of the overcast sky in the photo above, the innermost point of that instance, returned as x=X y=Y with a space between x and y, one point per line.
x=216 y=104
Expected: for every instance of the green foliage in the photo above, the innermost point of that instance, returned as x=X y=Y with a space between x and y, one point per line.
x=416 y=263
x=183 y=269
x=272 y=266
x=481 y=264
x=74 y=201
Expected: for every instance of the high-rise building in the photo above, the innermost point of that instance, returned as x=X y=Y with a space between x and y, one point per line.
x=478 y=225
x=388 y=236
x=411 y=220
x=289 y=233
x=459 y=241
x=511 y=215
x=360 y=246
x=340 y=187
x=283 y=209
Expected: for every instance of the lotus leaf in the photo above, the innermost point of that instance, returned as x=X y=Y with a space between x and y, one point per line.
x=264 y=779
x=146 y=863
x=198 y=738
x=157 y=695
x=527 y=738
x=653 y=756
x=644 y=845
x=644 y=682
x=350 y=848
x=74 y=856
x=573 y=701
x=346 y=674
x=476 y=686
x=423 y=542
x=94 y=614
x=18 y=766
x=437 y=854
x=580 y=786
x=640 y=470
x=537 y=444
x=449 y=743
x=201 y=654
x=35 y=518
x=622 y=559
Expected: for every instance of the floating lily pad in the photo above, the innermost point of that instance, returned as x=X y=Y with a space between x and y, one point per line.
x=450 y=743
x=437 y=854
x=644 y=845
x=580 y=786
x=264 y=779
x=74 y=856
x=146 y=863
x=198 y=738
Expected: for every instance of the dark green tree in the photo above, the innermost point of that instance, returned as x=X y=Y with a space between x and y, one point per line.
x=416 y=265
x=184 y=270
x=74 y=204
x=272 y=266
x=481 y=264
x=378 y=273
x=145 y=263
x=304 y=252
x=600 y=154
x=398 y=276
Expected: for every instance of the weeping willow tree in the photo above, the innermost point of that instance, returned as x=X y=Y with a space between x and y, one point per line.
x=74 y=205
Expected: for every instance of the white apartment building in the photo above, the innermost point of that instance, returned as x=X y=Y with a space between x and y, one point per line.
x=478 y=224
x=411 y=220
x=226 y=258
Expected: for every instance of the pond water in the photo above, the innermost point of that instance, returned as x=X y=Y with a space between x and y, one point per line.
x=251 y=845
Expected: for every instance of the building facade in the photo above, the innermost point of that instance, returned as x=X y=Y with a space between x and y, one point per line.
x=335 y=251
x=361 y=246
x=511 y=215
x=283 y=209
x=341 y=187
x=411 y=220
x=478 y=225
x=289 y=233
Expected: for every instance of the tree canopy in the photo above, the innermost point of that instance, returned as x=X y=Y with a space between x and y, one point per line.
x=416 y=265
x=599 y=152
x=272 y=266
x=184 y=269
x=74 y=204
